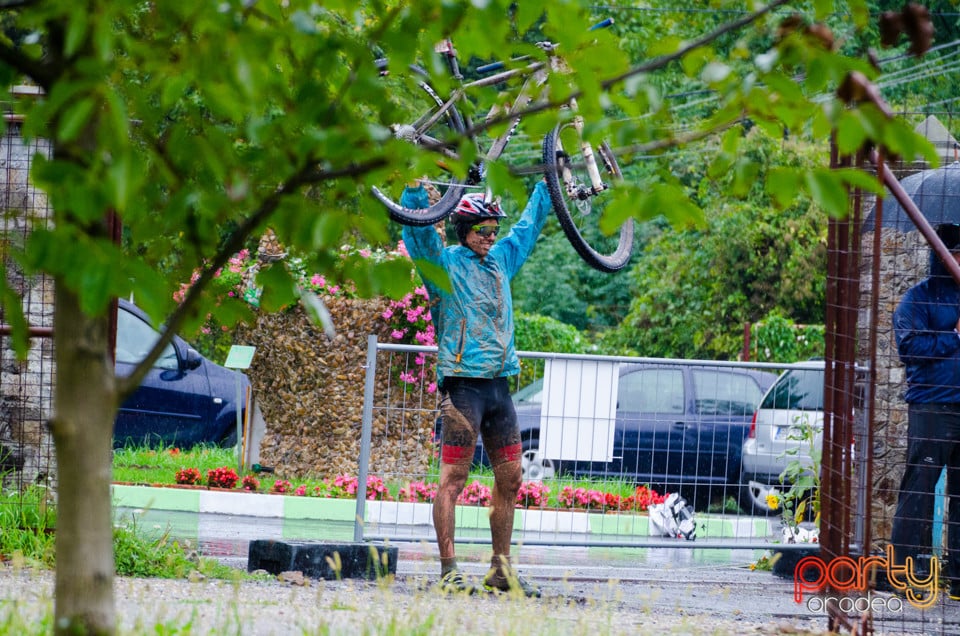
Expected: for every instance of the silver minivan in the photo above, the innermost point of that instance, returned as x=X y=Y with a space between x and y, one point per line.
x=787 y=426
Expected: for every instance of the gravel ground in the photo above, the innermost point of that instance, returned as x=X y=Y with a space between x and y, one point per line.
x=719 y=600
x=407 y=605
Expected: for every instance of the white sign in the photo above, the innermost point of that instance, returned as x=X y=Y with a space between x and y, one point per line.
x=578 y=410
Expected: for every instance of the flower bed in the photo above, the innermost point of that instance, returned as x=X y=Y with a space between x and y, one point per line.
x=532 y=495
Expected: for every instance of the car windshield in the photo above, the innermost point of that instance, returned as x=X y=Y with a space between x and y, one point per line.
x=135 y=338
x=724 y=393
x=798 y=389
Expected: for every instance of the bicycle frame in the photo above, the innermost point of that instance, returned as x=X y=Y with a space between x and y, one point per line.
x=574 y=174
x=535 y=76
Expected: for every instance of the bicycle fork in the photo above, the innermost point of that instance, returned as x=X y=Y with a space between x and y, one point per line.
x=578 y=191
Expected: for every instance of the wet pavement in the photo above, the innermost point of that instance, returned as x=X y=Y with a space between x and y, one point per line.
x=692 y=581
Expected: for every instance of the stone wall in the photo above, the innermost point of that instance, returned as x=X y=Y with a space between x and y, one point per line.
x=26 y=387
x=310 y=389
x=904 y=261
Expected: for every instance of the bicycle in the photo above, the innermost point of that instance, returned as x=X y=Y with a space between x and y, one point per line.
x=578 y=175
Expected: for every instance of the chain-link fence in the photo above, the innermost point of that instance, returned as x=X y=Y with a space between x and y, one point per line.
x=876 y=255
x=605 y=440
x=27 y=467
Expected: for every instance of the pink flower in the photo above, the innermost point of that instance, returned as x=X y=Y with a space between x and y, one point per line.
x=317 y=280
x=388 y=314
x=334 y=289
x=300 y=491
x=432 y=387
x=397 y=334
x=403 y=249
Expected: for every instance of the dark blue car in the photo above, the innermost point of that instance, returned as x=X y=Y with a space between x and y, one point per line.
x=677 y=425
x=184 y=399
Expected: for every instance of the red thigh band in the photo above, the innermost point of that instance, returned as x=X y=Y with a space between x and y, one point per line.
x=455 y=454
x=506 y=454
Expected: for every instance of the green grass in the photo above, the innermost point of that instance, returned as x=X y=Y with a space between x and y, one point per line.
x=159 y=466
x=29 y=521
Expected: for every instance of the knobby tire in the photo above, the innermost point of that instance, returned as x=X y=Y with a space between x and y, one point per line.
x=555 y=161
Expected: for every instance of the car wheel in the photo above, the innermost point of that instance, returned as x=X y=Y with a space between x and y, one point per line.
x=536 y=467
x=753 y=497
x=229 y=440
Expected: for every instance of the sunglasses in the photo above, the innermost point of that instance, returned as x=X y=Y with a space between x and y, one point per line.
x=486 y=230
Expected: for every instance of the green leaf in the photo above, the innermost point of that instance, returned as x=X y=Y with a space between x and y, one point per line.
x=318 y=313
x=279 y=290
x=744 y=177
x=435 y=274
x=720 y=165
x=731 y=141
x=76 y=32
x=502 y=182
x=850 y=132
x=828 y=190
x=393 y=277
x=860 y=11
x=12 y=304
x=75 y=118
x=823 y=9
x=665 y=45
x=527 y=14
x=855 y=178
x=783 y=184
x=123 y=179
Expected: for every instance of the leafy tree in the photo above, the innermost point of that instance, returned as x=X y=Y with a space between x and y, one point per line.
x=199 y=125
x=696 y=287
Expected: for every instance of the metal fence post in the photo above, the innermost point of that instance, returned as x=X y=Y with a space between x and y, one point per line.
x=365 y=436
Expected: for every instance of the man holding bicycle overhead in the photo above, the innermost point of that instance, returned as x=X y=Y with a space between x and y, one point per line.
x=476 y=355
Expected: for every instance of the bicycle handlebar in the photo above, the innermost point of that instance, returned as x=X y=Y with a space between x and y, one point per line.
x=488 y=68
x=603 y=24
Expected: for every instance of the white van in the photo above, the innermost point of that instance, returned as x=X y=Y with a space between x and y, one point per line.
x=787 y=426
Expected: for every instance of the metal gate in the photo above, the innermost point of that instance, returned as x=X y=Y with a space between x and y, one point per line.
x=587 y=501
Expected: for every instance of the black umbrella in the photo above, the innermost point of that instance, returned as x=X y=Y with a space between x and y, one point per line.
x=936 y=192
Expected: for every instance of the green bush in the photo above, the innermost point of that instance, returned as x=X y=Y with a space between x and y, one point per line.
x=542 y=333
x=778 y=339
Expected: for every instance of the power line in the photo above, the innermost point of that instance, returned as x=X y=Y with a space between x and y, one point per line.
x=945 y=14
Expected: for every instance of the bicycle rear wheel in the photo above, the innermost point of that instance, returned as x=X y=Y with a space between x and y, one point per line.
x=423 y=121
x=578 y=208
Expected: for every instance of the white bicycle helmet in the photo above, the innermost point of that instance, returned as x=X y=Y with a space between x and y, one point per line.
x=476 y=206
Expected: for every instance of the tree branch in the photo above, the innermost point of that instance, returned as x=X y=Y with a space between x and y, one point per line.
x=608 y=84
x=662 y=61
x=308 y=175
x=41 y=73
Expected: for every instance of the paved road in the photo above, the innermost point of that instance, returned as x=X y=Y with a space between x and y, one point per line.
x=715 y=587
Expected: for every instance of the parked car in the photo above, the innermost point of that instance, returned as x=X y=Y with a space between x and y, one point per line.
x=184 y=400
x=787 y=422
x=676 y=425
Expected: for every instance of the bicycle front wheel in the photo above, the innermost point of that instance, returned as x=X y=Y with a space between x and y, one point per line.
x=579 y=205
x=423 y=120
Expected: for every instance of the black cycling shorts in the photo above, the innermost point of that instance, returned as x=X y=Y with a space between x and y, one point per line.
x=478 y=406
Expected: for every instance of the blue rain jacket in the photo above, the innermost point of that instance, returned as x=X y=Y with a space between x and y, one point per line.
x=474 y=320
x=924 y=324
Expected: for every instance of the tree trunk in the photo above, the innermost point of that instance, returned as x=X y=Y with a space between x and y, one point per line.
x=82 y=427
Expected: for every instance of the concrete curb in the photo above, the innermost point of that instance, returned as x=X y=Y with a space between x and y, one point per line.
x=395 y=513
